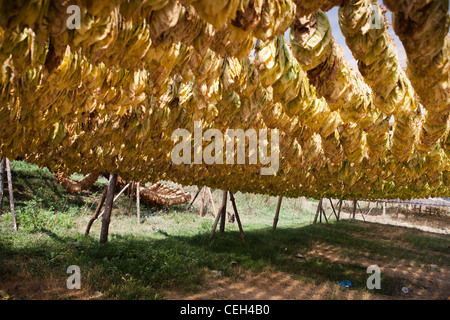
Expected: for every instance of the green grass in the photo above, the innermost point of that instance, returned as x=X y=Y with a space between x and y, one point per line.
x=171 y=249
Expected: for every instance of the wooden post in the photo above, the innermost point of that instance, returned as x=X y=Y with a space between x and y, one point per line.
x=2 y=174
x=236 y=214
x=224 y=211
x=277 y=212
x=317 y=211
x=11 y=196
x=354 y=208
x=202 y=205
x=324 y=214
x=221 y=213
x=138 y=202
x=397 y=211
x=339 y=211
x=115 y=198
x=360 y=210
x=320 y=210
x=121 y=191
x=334 y=211
x=370 y=210
x=195 y=197
x=130 y=194
x=108 y=208
x=212 y=201
x=97 y=212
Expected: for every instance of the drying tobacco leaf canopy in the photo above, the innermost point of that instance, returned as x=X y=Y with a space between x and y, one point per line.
x=107 y=95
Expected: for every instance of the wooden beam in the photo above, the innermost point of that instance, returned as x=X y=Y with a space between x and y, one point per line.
x=277 y=213
x=108 y=208
x=236 y=214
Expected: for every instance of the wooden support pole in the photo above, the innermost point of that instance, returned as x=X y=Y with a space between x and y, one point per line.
x=97 y=212
x=317 y=211
x=2 y=184
x=222 y=211
x=370 y=210
x=216 y=221
x=114 y=200
x=130 y=194
x=121 y=191
x=11 y=196
x=324 y=214
x=195 y=197
x=212 y=201
x=320 y=210
x=339 y=211
x=334 y=211
x=354 y=208
x=360 y=210
x=236 y=214
x=277 y=213
x=202 y=205
x=397 y=211
x=138 y=202
x=108 y=208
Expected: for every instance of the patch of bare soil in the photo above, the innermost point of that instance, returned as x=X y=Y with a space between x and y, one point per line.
x=28 y=287
x=424 y=222
x=423 y=282
x=268 y=286
x=435 y=225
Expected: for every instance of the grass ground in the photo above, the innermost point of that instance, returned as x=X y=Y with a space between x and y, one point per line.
x=170 y=255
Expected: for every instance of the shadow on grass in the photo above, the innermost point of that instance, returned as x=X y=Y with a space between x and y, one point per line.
x=139 y=267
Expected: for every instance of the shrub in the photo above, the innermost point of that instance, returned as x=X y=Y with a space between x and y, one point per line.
x=33 y=218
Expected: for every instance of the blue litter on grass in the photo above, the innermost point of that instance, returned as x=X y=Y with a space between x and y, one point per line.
x=346 y=283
